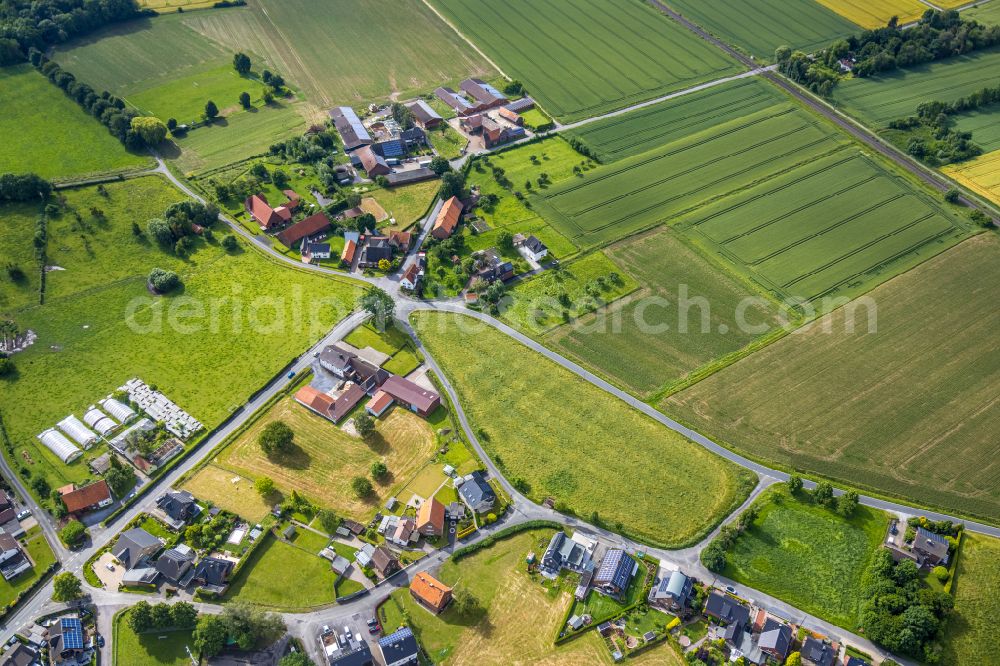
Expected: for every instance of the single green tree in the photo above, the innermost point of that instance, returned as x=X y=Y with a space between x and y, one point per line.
x=150 y=129
x=183 y=615
x=440 y=165
x=241 y=63
x=264 y=486
x=211 y=111
x=277 y=437
x=73 y=533
x=66 y=587
x=140 y=617
x=245 y=100
x=379 y=470
x=229 y=243
x=380 y=305
x=210 y=636
x=361 y=486
x=794 y=483
x=365 y=425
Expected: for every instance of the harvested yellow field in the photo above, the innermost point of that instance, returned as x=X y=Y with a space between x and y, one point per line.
x=229 y=491
x=981 y=175
x=876 y=13
x=168 y=6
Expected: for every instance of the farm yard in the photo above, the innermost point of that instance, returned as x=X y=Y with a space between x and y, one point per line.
x=759 y=27
x=540 y=425
x=599 y=56
x=831 y=228
x=645 y=129
x=871 y=14
x=68 y=143
x=981 y=175
x=99 y=316
x=643 y=359
x=937 y=327
x=972 y=625
x=808 y=555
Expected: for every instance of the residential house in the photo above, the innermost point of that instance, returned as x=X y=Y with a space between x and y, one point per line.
x=430 y=518
x=816 y=652
x=373 y=250
x=140 y=576
x=267 y=217
x=176 y=507
x=399 y=648
x=400 y=240
x=413 y=138
x=458 y=103
x=476 y=492
x=78 y=501
x=486 y=96
x=350 y=249
x=447 y=219
x=350 y=128
x=392 y=149
x=495 y=134
x=472 y=124
x=671 y=592
x=313 y=224
x=855 y=661
x=491 y=267
x=931 y=548
x=411 y=395
x=317 y=251
x=67 y=642
x=13 y=561
x=430 y=592
x=532 y=248
x=383 y=562
x=404 y=534
x=373 y=163
x=19 y=655
x=336 y=358
x=775 y=639
x=346 y=401
x=135 y=546
x=175 y=563
x=615 y=573
x=364 y=555
x=212 y=574
x=423 y=114
x=564 y=553
x=380 y=402
x=346 y=649
x=9 y=523
x=411 y=276
x=726 y=610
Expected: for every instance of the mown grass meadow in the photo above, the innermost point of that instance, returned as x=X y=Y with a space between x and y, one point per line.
x=969 y=632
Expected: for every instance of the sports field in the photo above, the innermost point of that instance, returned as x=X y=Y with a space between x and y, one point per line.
x=581 y=58
x=616 y=200
x=879 y=99
x=759 y=27
x=47 y=133
x=239 y=319
x=632 y=133
x=828 y=553
x=982 y=175
x=830 y=228
x=347 y=52
x=639 y=343
x=562 y=436
x=970 y=628
x=915 y=410
x=876 y=13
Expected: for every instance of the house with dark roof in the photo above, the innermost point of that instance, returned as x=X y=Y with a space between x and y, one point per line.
x=20 y=655
x=13 y=561
x=931 y=548
x=855 y=661
x=8 y=517
x=430 y=592
x=383 y=562
x=175 y=563
x=373 y=250
x=726 y=610
x=315 y=251
x=212 y=574
x=447 y=219
x=373 y=163
x=134 y=547
x=670 y=593
x=491 y=267
x=78 y=501
x=495 y=134
x=399 y=648
x=476 y=492
x=615 y=573
x=66 y=639
x=348 y=648
x=532 y=248
x=313 y=224
x=816 y=652
x=411 y=395
x=564 y=553
x=520 y=105
x=775 y=639
x=423 y=114
x=410 y=176
x=176 y=507
x=337 y=359
x=350 y=128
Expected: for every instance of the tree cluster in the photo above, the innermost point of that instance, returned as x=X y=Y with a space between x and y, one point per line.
x=66 y=587
x=163 y=281
x=939 y=142
x=144 y=616
x=714 y=555
x=176 y=229
x=402 y=115
x=23 y=187
x=120 y=477
x=308 y=148
x=73 y=533
x=246 y=625
x=900 y=612
x=209 y=534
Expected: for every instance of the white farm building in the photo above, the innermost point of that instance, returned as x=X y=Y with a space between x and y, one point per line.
x=118 y=410
x=57 y=443
x=99 y=421
x=75 y=428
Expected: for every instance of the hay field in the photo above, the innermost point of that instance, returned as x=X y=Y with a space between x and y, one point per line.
x=47 y=133
x=981 y=175
x=638 y=341
x=568 y=439
x=876 y=13
x=759 y=27
x=971 y=628
x=581 y=58
x=910 y=411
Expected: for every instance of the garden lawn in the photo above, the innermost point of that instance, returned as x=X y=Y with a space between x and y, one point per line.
x=66 y=141
x=586 y=57
x=40 y=554
x=228 y=491
x=969 y=633
x=446 y=141
x=407 y=204
x=239 y=319
x=540 y=424
x=648 y=340
x=519 y=616
x=808 y=555
x=156 y=648
x=393 y=342
x=282 y=576
x=936 y=331
x=326 y=458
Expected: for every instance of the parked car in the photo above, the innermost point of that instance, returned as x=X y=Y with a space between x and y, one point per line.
x=291 y=374
x=24 y=514
x=110 y=566
x=730 y=589
x=100 y=640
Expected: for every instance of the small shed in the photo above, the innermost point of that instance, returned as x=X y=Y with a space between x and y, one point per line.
x=575 y=622
x=449 y=470
x=289 y=532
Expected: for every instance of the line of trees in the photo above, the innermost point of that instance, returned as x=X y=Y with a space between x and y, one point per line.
x=145 y=616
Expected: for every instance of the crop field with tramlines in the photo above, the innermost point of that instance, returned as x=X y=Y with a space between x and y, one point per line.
x=829 y=227
x=581 y=58
x=876 y=13
x=618 y=137
x=911 y=410
x=610 y=202
x=760 y=26
x=879 y=99
x=982 y=175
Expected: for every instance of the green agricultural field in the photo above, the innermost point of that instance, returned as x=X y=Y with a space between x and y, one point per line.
x=63 y=141
x=969 y=631
x=758 y=27
x=984 y=125
x=240 y=319
x=913 y=415
x=879 y=99
x=41 y=555
x=827 y=553
x=614 y=201
x=639 y=343
x=559 y=434
x=184 y=98
x=587 y=57
x=157 y=648
x=985 y=12
x=283 y=576
x=645 y=129
x=832 y=228
x=325 y=48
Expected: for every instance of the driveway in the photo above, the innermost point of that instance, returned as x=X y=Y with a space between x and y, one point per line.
x=111 y=579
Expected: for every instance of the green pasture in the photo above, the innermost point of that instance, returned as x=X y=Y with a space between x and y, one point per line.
x=968 y=633
x=184 y=98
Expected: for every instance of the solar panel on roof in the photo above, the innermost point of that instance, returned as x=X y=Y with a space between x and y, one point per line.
x=392 y=149
x=72 y=632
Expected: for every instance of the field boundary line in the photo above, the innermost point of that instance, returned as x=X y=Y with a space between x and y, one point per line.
x=468 y=41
